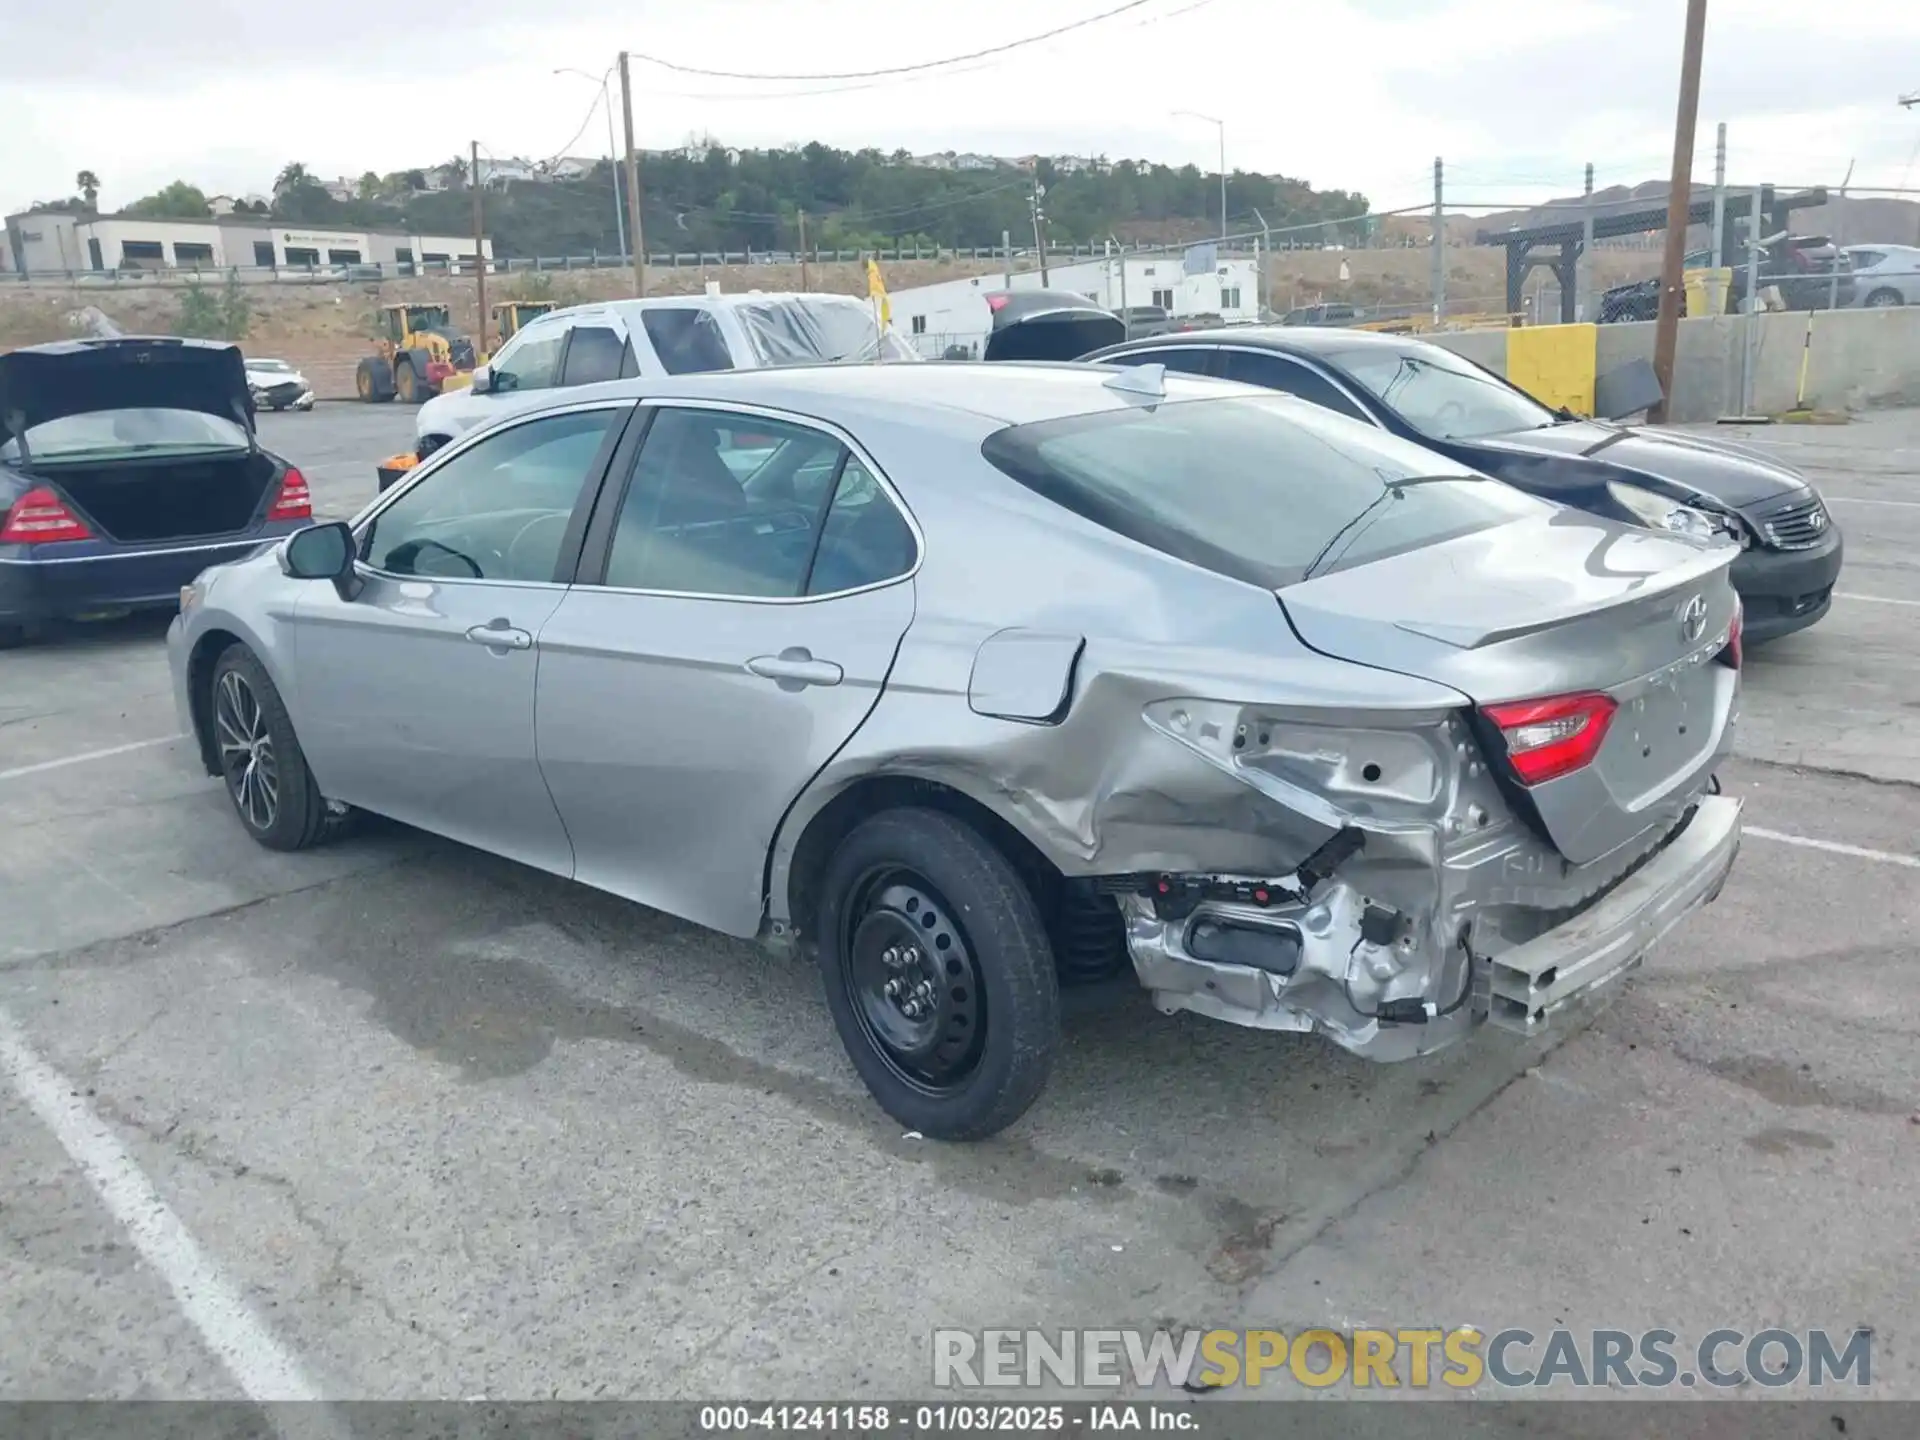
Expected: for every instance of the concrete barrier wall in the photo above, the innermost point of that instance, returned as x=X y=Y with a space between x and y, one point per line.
x=1857 y=360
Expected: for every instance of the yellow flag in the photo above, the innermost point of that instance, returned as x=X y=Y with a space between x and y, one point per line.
x=877 y=290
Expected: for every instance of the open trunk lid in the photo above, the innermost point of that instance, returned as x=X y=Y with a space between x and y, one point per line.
x=1048 y=325
x=76 y=377
x=1619 y=631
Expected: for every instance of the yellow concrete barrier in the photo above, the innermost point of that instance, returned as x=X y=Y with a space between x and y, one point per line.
x=1555 y=363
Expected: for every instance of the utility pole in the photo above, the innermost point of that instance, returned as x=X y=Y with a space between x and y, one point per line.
x=1756 y=232
x=1720 y=198
x=803 y=252
x=633 y=182
x=1666 y=327
x=1833 y=282
x=1583 y=298
x=479 y=243
x=1439 y=250
x=1260 y=261
x=1040 y=226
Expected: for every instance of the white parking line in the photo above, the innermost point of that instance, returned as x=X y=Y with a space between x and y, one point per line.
x=1862 y=500
x=259 y=1365
x=1838 y=595
x=1833 y=847
x=85 y=756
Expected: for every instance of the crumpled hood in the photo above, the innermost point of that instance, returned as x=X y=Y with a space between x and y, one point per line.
x=1733 y=476
x=76 y=377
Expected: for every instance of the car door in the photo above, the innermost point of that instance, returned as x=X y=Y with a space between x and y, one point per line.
x=1278 y=372
x=740 y=600
x=597 y=350
x=416 y=696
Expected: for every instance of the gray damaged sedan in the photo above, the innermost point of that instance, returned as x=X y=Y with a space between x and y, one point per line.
x=973 y=680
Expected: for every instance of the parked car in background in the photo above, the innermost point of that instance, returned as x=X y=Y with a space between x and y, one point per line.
x=276 y=385
x=970 y=677
x=1790 y=546
x=1885 y=275
x=1809 y=271
x=127 y=466
x=648 y=339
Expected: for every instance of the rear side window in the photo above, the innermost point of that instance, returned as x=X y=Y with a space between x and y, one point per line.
x=1265 y=489
x=1188 y=359
x=1271 y=372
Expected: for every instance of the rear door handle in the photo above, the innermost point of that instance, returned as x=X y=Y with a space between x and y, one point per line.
x=499 y=635
x=795 y=667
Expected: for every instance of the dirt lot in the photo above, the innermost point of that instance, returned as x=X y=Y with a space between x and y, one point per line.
x=325 y=329
x=441 y=1127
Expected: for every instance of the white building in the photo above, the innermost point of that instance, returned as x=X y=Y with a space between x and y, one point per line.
x=938 y=317
x=52 y=243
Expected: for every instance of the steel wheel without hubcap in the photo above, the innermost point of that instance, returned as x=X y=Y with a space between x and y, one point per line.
x=247 y=760
x=916 y=990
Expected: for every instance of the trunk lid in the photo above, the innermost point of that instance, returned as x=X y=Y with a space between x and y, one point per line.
x=1048 y=325
x=77 y=377
x=1565 y=604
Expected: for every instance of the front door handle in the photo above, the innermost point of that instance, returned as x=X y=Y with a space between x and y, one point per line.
x=796 y=668
x=499 y=635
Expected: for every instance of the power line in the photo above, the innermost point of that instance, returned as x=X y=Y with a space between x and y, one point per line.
x=999 y=49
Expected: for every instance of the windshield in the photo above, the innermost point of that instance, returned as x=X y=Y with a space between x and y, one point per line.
x=1268 y=489
x=816 y=329
x=101 y=433
x=1441 y=395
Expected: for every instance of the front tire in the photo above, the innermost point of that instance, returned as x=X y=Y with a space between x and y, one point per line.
x=267 y=779
x=1885 y=299
x=939 y=974
x=406 y=383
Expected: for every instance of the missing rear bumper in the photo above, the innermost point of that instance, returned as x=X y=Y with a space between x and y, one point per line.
x=1568 y=969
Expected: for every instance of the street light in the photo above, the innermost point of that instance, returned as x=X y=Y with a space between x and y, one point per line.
x=1220 y=125
x=613 y=154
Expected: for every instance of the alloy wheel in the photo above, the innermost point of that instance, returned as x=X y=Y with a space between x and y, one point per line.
x=247 y=758
x=914 y=982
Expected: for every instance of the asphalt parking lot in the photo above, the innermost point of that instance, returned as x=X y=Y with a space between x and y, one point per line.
x=393 y=1119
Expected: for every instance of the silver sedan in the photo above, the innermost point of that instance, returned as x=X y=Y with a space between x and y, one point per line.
x=1885 y=275
x=975 y=680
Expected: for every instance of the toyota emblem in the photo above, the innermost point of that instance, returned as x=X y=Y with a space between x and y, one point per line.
x=1693 y=619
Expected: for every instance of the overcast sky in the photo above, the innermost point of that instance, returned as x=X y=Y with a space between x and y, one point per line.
x=1361 y=94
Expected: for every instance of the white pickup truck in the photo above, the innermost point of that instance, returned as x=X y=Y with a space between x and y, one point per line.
x=665 y=335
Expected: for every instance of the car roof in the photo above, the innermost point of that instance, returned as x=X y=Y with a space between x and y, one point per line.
x=698 y=302
x=1294 y=339
x=106 y=342
x=1003 y=392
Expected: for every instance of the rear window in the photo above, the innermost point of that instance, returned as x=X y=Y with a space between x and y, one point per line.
x=101 y=433
x=1267 y=489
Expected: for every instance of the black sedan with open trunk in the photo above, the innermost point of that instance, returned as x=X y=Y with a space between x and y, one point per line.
x=128 y=466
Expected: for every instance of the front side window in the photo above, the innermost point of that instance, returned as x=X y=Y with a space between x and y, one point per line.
x=99 y=434
x=733 y=505
x=688 y=341
x=1441 y=395
x=497 y=510
x=1260 y=488
x=529 y=365
x=594 y=354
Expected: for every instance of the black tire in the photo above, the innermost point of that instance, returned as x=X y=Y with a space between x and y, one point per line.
x=1884 y=299
x=12 y=636
x=243 y=705
x=373 y=380
x=979 y=1056
x=406 y=383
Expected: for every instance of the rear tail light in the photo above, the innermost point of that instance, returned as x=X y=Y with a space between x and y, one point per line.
x=1731 y=653
x=41 y=517
x=295 y=501
x=1554 y=736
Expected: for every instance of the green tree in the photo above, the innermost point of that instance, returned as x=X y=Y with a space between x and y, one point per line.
x=178 y=201
x=292 y=176
x=370 y=186
x=89 y=184
x=206 y=314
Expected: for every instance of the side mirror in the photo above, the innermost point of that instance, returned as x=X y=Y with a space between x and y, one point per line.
x=322 y=552
x=482 y=379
